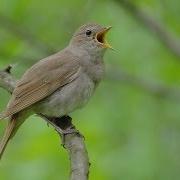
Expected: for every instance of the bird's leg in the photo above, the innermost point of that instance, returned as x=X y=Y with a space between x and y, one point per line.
x=63 y=125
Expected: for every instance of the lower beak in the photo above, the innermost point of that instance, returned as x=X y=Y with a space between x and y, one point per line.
x=100 y=37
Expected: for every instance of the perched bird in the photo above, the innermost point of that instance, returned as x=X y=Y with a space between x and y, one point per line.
x=60 y=83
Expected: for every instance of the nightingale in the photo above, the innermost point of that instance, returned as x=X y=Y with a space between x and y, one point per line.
x=61 y=83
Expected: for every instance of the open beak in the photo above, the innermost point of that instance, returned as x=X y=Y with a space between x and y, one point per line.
x=100 y=37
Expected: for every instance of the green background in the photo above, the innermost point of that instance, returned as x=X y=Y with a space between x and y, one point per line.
x=132 y=132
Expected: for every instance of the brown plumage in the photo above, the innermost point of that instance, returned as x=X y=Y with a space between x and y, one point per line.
x=61 y=83
x=60 y=69
x=31 y=89
x=7 y=135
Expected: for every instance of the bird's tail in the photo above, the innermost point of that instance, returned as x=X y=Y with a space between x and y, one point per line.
x=2 y=116
x=9 y=132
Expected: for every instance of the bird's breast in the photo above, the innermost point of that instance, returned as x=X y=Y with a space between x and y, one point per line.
x=67 y=98
x=95 y=70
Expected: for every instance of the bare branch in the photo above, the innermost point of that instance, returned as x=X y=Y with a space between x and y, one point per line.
x=7 y=82
x=157 y=89
x=73 y=142
x=74 y=145
x=169 y=40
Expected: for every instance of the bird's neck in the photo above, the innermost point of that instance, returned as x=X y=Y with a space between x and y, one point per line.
x=92 y=63
x=81 y=52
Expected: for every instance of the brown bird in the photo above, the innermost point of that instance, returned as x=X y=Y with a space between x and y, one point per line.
x=60 y=83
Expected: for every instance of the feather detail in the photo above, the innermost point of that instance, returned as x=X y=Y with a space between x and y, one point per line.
x=41 y=80
x=7 y=135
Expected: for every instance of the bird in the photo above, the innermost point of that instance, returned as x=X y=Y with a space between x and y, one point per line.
x=60 y=83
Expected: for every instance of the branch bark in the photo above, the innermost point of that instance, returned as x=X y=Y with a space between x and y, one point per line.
x=73 y=142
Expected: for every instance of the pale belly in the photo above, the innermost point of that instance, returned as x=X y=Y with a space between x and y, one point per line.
x=68 y=98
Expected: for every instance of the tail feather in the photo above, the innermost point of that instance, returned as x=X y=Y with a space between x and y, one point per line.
x=7 y=135
x=2 y=116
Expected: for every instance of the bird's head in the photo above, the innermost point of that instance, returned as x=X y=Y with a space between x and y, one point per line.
x=91 y=37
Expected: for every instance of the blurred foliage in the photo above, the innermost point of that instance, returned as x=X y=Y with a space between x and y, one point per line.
x=130 y=133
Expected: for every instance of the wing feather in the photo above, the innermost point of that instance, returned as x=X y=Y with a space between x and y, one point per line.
x=42 y=80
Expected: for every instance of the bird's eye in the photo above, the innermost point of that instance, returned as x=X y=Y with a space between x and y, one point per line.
x=88 y=32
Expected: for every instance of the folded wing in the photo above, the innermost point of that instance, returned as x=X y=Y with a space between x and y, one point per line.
x=41 y=80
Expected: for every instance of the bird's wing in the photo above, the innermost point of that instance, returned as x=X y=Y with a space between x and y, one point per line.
x=41 y=80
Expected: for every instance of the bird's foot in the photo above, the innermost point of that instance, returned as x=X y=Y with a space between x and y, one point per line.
x=62 y=125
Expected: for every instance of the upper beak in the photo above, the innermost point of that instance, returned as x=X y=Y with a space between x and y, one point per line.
x=100 y=37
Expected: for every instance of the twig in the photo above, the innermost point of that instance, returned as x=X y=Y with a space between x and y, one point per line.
x=156 y=89
x=168 y=39
x=73 y=142
x=7 y=82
